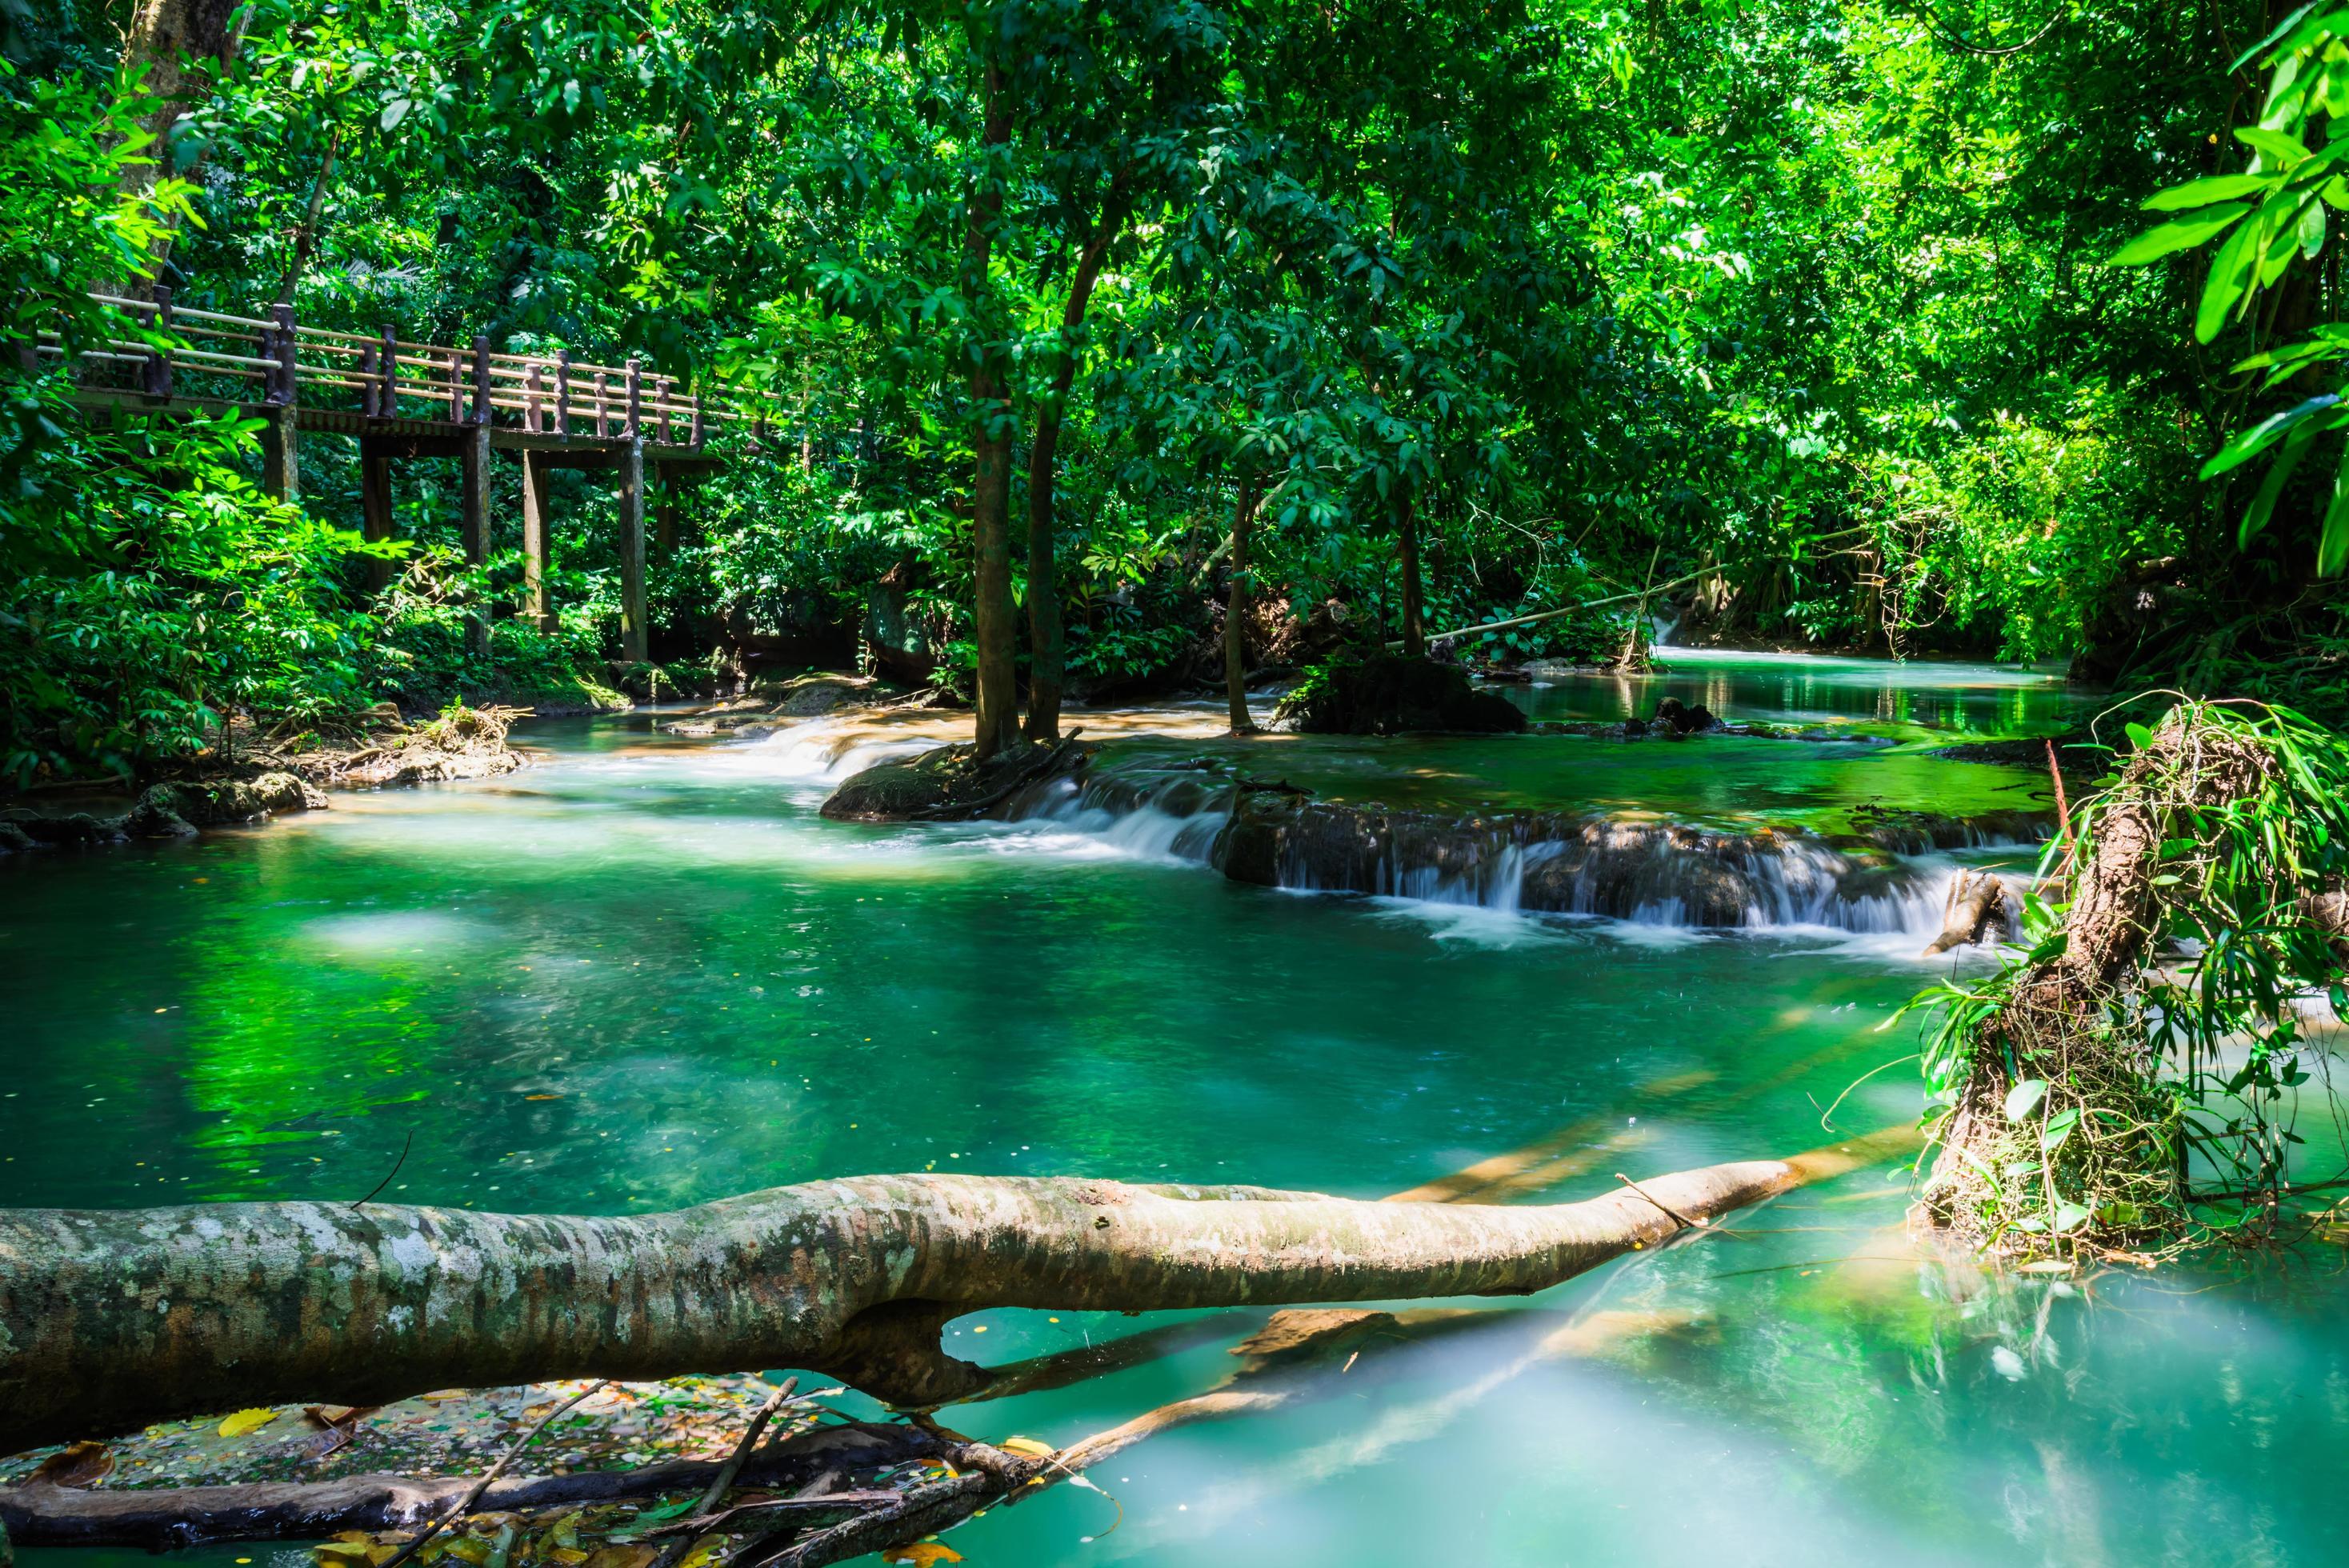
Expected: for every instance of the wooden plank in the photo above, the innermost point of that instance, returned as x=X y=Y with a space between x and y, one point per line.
x=509 y=438
x=441 y=442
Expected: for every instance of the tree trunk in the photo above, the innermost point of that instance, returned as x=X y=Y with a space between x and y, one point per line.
x=1047 y=662
x=1414 y=625
x=1235 y=612
x=2056 y=1022
x=990 y=496
x=164 y=36
x=305 y=237
x=170 y=1518
x=112 y=1320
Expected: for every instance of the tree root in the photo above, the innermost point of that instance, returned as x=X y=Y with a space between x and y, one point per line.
x=1977 y=903
x=2070 y=1075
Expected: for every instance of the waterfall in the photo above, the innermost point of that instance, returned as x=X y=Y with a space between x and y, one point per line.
x=1895 y=881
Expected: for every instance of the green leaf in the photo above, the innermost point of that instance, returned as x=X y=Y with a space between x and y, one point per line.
x=2311 y=230
x=2279 y=472
x=668 y=1511
x=2202 y=192
x=2250 y=443
x=2183 y=234
x=395 y=111
x=2139 y=736
x=2059 y=1128
x=2024 y=1097
x=2286 y=25
x=2229 y=271
x=2286 y=150
x=2070 y=1216
x=2333 y=545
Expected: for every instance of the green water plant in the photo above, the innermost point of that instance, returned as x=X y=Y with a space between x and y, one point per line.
x=2129 y=1076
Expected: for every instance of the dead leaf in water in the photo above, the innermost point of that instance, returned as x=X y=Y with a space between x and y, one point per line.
x=922 y=1554
x=623 y=1557
x=76 y=1465
x=245 y=1422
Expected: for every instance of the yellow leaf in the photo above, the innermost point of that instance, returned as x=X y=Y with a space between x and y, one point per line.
x=568 y=1554
x=1030 y=1446
x=922 y=1554
x=704 y=1549
x=245 y=1422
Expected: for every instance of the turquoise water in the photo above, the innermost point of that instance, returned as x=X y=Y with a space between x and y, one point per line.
x=1938 y=697
x=645 y=974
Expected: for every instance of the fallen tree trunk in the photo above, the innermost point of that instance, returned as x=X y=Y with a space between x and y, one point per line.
x=169 y=1518
x=112 y=1320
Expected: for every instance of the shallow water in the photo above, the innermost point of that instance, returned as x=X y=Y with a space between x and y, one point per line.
x=1938 y=696
x=645 y=974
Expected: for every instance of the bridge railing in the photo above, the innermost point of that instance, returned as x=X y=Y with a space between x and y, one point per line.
x=384 y=375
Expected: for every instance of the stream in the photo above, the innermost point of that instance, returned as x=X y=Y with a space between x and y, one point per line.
x=645 y=974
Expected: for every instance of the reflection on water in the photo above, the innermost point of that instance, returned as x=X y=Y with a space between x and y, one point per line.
x=1801 y=688
x=647 y=975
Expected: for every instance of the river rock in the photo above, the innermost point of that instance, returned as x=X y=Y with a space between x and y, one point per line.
x=811 y=697
x=219 y=804
x=1390 y=695
x=69 y=831
x=1676 y=720
x=948 y=784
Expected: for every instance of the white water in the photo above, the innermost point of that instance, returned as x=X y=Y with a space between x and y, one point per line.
x=1790 y=884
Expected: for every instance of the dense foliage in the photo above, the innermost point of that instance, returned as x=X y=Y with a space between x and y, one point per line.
x=2155 y=1100
x=1806 y=306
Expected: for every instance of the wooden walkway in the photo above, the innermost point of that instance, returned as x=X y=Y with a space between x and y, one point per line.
x=403 y=400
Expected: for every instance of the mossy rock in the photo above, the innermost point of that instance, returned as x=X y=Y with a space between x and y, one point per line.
x=948 y=783
x=1391 y=696
x=218 y=804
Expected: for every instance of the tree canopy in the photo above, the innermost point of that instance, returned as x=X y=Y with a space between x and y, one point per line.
x=1835 y=311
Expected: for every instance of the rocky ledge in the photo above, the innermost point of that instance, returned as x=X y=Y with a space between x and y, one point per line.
x=952 y=783
x=171 y=810
x=771 y=708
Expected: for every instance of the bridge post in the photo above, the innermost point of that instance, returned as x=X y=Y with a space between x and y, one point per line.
x=562 y=392
x=375 y=509
x=281 y=468
x=537 y=604
x=157 y=381
x=636 y=640
x=475 y=456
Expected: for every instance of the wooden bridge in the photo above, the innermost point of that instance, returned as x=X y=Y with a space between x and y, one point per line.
x=405 y=400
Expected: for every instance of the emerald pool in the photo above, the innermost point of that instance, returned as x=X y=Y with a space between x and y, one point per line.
x=644 y=973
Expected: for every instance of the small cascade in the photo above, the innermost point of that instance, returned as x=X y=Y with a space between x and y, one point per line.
x=826 y=752
x=1889 y=881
